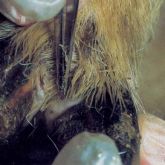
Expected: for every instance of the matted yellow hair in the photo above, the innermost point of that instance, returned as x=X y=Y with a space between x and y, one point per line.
x=109 y=38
